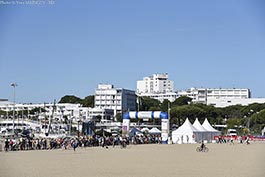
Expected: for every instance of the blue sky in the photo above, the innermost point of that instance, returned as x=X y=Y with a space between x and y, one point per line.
x=70 y=47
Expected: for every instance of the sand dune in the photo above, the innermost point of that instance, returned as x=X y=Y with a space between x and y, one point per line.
x=223 y=160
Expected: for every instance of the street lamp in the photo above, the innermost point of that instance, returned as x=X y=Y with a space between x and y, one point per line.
x=14 y=85
x=248 y=121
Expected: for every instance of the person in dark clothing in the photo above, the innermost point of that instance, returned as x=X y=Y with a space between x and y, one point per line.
x=6 y=145
x=202 y=145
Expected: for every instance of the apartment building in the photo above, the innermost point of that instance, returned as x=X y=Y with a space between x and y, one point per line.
x=118 y=99
x=203 y=95
x=157 y=86
x=157 y=83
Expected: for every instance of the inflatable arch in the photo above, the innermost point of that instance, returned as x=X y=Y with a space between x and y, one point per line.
x=147 y=115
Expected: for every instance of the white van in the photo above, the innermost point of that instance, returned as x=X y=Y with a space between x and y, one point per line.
x=231 y=132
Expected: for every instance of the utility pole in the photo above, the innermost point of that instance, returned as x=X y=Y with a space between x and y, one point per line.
x=14 y=85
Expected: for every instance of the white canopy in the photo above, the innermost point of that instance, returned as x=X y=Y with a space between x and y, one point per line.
x=213 y=132
x=154 y=130
x=186 y=133
x=205 y=134
x=198 y=125
x=145 y=129
x=208 y=126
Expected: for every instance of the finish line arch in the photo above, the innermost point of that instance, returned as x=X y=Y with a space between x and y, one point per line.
x=147 y=115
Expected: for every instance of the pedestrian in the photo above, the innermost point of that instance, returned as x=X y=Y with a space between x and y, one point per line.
x=240 y=140
x=247 y=140
x=6 y=145
x=75 y=144
x=231 y=140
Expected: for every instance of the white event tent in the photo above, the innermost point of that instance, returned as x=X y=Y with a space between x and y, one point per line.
x=154 y=130
x=205 y=134
x=212 y=132
x=186 y=133
x=145 y=129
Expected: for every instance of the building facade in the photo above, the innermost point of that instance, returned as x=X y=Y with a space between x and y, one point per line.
x=57 y=111
x=157 y=83
x=224 y=102
x=209 y=95
x=157 y=87
x=170 y=96
x=118 y=99
x=102 y=114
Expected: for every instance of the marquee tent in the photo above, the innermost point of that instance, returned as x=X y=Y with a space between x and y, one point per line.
x=135 y=131
x=205 y=134
x=212 y=132
x=154 y=130
x=145 y=129
x=186 y=133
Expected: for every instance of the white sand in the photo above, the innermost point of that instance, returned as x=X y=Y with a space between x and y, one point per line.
x=142 y=161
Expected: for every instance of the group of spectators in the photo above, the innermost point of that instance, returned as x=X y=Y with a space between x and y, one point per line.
x=231 y=139
x=31 y=143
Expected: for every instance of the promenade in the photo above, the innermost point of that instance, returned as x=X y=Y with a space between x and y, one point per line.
x=153 y=160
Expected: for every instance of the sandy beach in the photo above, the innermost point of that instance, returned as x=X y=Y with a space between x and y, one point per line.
x=223 y=160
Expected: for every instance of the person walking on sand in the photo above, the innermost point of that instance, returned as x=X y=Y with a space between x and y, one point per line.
x=247 y=140
x=75 y=144
x=6 y=145
x=231 y=140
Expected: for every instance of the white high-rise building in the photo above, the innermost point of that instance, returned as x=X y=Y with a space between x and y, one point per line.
x=157 y=87
x=118 y=99
x=157 y=83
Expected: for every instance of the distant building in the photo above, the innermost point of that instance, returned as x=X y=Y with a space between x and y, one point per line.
x=198 y=95
x=58 y=110
x=170 y=96
x=157 y=83
x=157 y=87
x=202 y=95
x=102 y=114
x=224 y=102
x=118 y=99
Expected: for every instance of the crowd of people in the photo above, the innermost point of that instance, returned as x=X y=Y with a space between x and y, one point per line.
x=31 y=143
x=231 y=139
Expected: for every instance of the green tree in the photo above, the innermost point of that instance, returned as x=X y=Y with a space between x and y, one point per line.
x=234 y=111
x=89 y=101
x=233 y=123
x=178 y=114
x=147 y=103
x=164 y=105
x=183 y=100
x=257 y=122
x=71 y=99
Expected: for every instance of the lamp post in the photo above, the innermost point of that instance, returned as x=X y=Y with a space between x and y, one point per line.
x=248 y=121
x=14 y=85
x=255 y=128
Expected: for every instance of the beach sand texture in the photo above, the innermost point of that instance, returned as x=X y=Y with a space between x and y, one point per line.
x=223 y=160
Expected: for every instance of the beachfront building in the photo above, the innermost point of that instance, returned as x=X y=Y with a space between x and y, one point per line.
x=214 y=95
x=224 y=102
x=157 y=86
x=198 y=95
x=118 y=99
